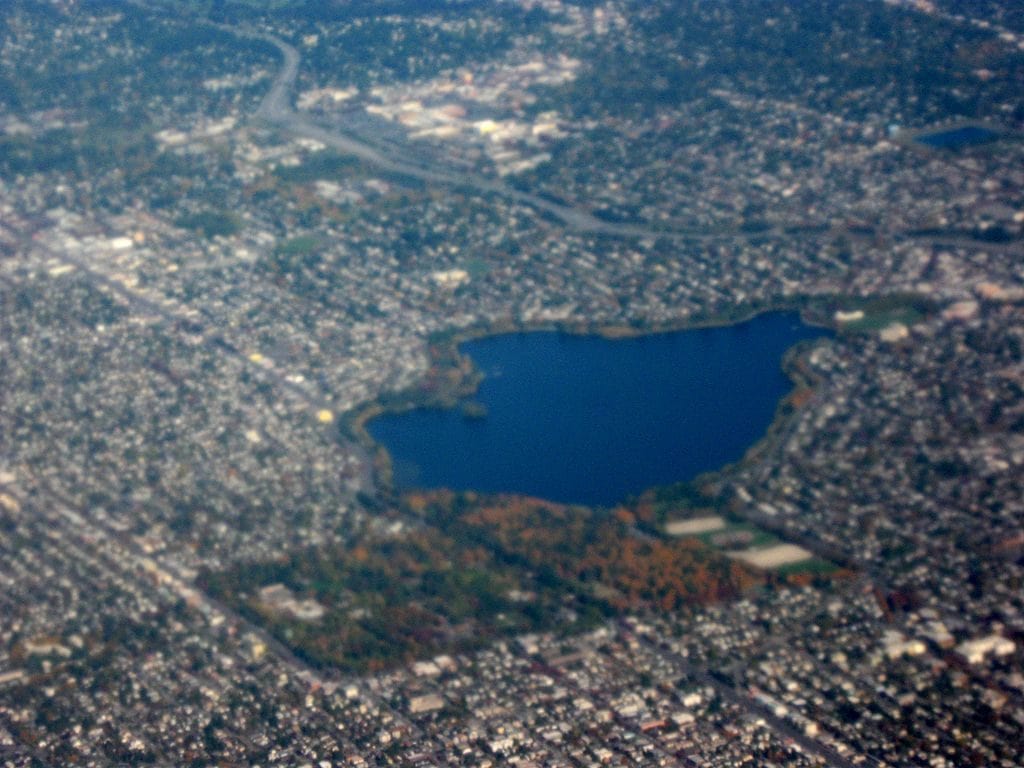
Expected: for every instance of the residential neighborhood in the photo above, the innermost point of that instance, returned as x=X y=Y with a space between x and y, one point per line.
x=232 y=232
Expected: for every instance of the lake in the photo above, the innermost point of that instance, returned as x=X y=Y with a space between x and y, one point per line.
x=584 y=419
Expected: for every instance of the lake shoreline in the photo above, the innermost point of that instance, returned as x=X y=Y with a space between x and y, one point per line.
x=453 y=377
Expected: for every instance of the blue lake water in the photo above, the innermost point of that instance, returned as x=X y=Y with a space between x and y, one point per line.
x=966 y=136
x=588 y=420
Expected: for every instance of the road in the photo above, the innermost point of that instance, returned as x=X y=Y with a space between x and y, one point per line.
x=276 y=109
x=215 y=340
x=729 y=693
x=132 y=560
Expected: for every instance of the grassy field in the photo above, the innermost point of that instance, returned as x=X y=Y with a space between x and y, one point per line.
x=733 y=537
x=883 y=311
x=876 y=321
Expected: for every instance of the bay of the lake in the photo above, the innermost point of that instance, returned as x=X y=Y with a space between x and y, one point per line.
x=589 y=420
